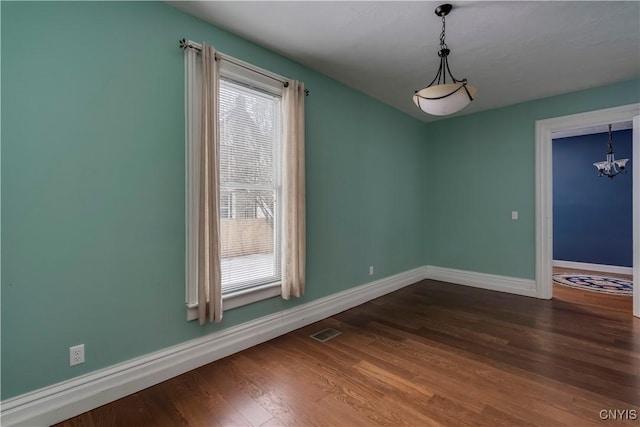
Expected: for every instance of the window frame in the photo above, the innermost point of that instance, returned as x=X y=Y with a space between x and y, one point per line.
x=240 y=72
x=276 y=187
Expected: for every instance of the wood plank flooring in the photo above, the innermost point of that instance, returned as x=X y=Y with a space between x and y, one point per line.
x=430 y=354
x=593 y=299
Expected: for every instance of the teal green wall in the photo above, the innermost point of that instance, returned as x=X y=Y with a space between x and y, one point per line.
x=93 y=185
x=487 y=171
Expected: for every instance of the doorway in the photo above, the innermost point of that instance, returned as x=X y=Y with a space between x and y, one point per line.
x=544 y=190
x=592 y=219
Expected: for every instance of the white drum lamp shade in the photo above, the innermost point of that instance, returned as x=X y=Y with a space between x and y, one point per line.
x=445 y=99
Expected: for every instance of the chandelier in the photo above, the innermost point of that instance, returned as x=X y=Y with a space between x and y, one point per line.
x=611 y=167
x=444 y=97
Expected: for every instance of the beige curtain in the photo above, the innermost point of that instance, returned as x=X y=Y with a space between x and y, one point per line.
x=294 y=223
x=209 y=280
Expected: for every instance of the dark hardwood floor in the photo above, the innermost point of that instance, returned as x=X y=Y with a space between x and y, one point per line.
x=592 y=299
x=430 y=354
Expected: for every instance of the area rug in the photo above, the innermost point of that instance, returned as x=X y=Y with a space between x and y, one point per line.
x=607 y=285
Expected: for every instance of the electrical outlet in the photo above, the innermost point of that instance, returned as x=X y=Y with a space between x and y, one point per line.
x=371 y=270
x=76 y=355
x=514 y=214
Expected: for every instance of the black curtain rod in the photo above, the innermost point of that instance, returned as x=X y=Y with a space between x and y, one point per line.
x=184 y=44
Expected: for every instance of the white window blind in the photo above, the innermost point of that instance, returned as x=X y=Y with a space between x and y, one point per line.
x=250 y=135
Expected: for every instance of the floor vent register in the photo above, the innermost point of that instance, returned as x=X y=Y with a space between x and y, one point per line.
x=325 y=335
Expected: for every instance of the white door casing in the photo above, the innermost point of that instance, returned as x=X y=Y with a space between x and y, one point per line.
x=544 y=190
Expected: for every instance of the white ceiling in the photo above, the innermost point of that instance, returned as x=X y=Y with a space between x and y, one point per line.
x=510 y=51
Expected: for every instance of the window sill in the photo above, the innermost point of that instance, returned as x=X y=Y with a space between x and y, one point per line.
x=243 y=297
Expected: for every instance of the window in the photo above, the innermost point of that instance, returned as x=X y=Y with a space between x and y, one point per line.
x=250 y=151
x=261 y=251
x=250 y=141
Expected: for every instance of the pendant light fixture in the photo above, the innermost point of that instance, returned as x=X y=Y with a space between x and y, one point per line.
x=444 y=97
x=611 y=167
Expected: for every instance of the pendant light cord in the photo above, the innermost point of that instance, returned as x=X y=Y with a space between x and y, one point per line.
x=610 y=142
x=443 y=45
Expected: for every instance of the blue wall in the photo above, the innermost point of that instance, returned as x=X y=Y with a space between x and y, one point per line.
x=591 y=215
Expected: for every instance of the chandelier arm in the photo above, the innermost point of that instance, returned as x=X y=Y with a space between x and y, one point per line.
x=464 y=85
x=438 y=75
x=443 y=65
x=450 y=74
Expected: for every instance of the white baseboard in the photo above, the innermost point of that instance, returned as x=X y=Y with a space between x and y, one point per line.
x=67 y=399
x=593 y=267
x=512 y=285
